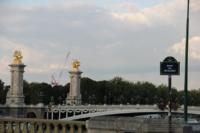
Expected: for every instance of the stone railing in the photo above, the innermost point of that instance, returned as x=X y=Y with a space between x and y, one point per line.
x=12 y=125
x=69 y=112
x=61 y=112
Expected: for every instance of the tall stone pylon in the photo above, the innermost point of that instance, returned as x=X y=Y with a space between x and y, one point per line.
x=15 y=94
x=74 y=95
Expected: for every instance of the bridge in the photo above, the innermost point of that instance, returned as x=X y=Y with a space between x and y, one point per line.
x=76 y=112
x=16 y=108
x=88 y=111
x=99 y=124
x=66 y=114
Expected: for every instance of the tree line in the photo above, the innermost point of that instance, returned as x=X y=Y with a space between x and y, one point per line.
x=114 y=91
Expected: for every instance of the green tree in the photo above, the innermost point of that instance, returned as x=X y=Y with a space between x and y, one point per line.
x=3 y=92
x=163 y=96
x=88 y=90
x=114 y=91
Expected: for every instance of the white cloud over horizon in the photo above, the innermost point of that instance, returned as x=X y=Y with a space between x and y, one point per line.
x=160 y=13
x=194 y=47
x=108 y=40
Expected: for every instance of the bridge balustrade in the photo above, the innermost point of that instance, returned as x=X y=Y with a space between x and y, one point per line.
x=60 y=112
x=13 y=125
x=69 y=112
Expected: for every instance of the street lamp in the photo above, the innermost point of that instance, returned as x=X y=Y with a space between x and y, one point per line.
x=186 y=64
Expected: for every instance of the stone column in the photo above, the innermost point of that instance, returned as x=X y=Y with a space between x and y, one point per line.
x=74 y=96
x=15 y=93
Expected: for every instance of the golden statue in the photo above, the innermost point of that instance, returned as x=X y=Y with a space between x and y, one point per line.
x=75 y=65
x=17 y=57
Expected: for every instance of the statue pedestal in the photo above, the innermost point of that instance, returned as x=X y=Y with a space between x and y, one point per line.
x=74 y=96
x=15 y=93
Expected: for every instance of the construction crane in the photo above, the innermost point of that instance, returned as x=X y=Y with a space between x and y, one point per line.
x=64 y=65
x=54 y=81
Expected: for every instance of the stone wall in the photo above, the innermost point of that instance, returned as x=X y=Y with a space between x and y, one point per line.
x=113 y=124
x=22 y=111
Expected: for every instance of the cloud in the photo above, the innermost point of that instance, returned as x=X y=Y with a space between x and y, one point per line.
x=195 y=4
x=194 y=47
x=29 y=54
x=162 y=13
x=39 y=63
x=137 y=18
x=4 y=62
x=112 y=40
x=31 y=57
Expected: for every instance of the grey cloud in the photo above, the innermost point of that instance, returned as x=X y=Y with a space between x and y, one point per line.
x=105 y=45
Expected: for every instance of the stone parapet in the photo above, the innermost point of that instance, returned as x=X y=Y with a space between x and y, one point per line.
x=41 y=126
x=114 y=124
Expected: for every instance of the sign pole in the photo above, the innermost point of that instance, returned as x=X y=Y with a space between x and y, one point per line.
x=186 y=66
x=170 y=66
x=170 y=103
x=170 y=99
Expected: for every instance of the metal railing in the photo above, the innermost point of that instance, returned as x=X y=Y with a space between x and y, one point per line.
x=17 y=125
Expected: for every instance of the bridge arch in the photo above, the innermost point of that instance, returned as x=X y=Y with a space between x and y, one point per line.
x=115 y=112
x=31 y=115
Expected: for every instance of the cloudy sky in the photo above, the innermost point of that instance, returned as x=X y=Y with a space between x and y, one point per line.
x=126 y=38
